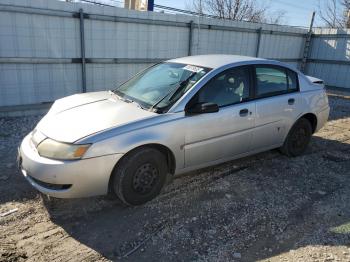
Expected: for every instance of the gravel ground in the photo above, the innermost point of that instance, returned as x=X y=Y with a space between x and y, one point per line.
x=266 y=207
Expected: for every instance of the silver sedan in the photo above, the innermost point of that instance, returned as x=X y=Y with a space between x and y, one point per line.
x=171 y=118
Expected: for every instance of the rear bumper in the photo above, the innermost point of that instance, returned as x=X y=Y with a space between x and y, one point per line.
x=322 y=118
x=66 y=179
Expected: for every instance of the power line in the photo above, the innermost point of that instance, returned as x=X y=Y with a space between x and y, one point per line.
x=183 y=11
x=101 y=3
x=121 y=2
x=168 y=8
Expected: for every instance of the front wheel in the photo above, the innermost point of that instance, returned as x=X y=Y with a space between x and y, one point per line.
x=298 y=138
x=140 y=176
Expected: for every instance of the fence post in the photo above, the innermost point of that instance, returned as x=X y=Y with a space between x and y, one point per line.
x=190 y=38
x=82 y=49
x=307 y=44
x=259 y=31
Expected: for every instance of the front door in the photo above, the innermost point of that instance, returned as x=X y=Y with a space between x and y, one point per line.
x=228 y=132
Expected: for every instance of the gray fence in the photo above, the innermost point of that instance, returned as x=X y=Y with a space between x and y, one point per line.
x=329 y=57
x=50 y=49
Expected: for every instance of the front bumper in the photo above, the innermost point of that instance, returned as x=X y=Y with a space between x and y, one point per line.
x=66 y=179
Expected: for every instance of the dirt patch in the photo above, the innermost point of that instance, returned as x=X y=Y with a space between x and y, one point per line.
x=265 y=207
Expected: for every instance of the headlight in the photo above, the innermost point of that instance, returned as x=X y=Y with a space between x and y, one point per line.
x=63 y=151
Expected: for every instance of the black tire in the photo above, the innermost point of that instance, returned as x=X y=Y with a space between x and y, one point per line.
x=140 y=176
x=298 y=138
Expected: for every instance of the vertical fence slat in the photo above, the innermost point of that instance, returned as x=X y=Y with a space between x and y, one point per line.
x=191 y=26
x=258 y=42
x=82 y=49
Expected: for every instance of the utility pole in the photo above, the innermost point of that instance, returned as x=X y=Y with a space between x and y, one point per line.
x=150 y=5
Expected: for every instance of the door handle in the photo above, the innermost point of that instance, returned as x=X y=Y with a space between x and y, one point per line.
x=291 y=101
x=243 y=112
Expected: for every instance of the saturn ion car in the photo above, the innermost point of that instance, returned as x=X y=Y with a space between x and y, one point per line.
x=173 y=117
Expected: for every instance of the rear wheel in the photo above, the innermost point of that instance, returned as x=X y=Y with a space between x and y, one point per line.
x=298 y=138
x=140 y=176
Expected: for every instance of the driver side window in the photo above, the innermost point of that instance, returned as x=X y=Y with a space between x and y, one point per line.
x=227 y=88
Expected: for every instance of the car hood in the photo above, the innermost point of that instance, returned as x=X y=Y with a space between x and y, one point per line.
x=78 y=116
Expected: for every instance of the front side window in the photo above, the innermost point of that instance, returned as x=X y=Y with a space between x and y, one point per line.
x=160 y=86
x=229 y=87
x=272 y=80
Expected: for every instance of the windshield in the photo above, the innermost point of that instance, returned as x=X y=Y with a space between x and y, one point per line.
x=161 y=85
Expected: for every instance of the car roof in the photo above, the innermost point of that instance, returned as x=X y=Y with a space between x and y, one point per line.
x=214 y=60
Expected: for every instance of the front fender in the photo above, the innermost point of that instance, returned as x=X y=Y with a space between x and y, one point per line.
x=168 y=133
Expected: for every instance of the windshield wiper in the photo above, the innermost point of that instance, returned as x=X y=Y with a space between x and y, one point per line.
x=138 y=104
x=173 y=92
x=127 y=100
x=118 y=96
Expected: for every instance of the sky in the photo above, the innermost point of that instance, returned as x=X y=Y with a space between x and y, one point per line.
x=298 y=12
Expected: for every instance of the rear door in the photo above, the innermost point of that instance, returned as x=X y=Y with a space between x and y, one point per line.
x=277 y=104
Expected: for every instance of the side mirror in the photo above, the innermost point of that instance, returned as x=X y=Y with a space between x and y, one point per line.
x=202 y=108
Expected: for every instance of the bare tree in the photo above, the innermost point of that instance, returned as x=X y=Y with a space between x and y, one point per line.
x=335 y=13
x=276 y=17
x=240 y=10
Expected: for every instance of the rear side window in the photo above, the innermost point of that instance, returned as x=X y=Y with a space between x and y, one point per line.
x=292 y=81
x=272 y=81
